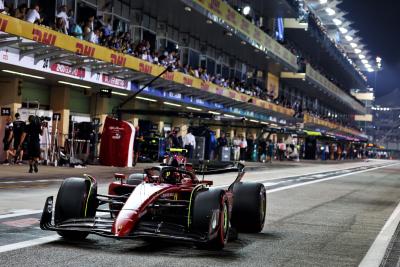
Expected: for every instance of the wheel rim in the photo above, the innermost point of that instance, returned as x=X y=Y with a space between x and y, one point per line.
x=225 y=211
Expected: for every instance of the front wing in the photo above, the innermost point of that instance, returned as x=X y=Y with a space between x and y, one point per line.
x=102 y=226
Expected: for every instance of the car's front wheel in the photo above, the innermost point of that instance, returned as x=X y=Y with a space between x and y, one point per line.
x=211 y=216
x=76 y=199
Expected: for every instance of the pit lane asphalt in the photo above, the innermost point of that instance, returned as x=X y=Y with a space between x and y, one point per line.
x=331 y=223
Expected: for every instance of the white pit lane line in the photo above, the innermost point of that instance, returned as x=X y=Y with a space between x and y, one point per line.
x=385 y=239
x=18 y=213
x=29 y=243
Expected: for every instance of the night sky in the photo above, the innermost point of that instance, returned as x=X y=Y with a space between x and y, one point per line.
x=378 y=23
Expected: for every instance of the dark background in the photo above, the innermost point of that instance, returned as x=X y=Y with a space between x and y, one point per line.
x=378 y=22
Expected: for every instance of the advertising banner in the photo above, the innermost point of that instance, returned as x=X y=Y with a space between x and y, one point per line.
x=49 y=37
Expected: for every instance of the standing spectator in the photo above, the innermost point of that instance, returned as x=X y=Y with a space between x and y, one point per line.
x=71 y=20
x=33 y=15
x=221 y=143
x=18 y=130
x=77 y=31
x=236 y=148
x=263 y=147
x=243 y=148
x=60 y=25
x=327 y=153
x=20 y=13
x=281 y=150
x=8 y=136
x=271 y=148
x=94 y=36
x=173 y=139
x=189 y=143
x=250 y=150
x=62 y=15
x=32 y=132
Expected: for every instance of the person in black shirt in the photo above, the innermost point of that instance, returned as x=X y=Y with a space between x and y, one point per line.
x=32 y=133
x=18 y=130
x=221 y=142
x=8 y=136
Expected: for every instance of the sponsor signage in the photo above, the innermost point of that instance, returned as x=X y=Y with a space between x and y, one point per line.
x=5 y=111
x=65 y=69
x=56 y=116
x=114 y=81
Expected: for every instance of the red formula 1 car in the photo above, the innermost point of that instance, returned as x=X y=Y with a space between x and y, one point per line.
x=163 y=202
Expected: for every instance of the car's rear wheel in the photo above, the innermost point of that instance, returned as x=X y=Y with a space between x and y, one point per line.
x=249 y=207
x=76 y=199
x=211 y=216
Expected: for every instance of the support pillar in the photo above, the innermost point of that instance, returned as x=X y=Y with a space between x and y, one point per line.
x=10 y=94
x=99 y=109
x=161 y=127
x=59 y=103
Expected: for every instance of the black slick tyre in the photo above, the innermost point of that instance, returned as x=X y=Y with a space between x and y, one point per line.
x=249 y=207
x=76 y=199
x=211 y=217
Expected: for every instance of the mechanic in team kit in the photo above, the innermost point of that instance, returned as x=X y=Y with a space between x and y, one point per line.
x=31 y=133
x=8 y=136
x=18 y=130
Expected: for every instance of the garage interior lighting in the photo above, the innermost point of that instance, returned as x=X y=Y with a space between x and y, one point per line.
x=172 y=104
x=337 y=21
x=349 y=38
x=23 y=74
x=196 y=109
x=255 y=121
x=213 y=112
x=75 y=84
x=146 y=99
x=229 y=116
x=246 y=10
x=330 y=11
x=118 y=93
x=265 y=123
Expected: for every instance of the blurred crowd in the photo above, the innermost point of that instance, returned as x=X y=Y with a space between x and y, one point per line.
x=95 y=30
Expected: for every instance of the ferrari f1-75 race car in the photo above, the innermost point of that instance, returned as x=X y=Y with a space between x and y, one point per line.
x=163 y=202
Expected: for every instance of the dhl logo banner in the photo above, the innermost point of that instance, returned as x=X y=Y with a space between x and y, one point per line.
x=49 y=37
